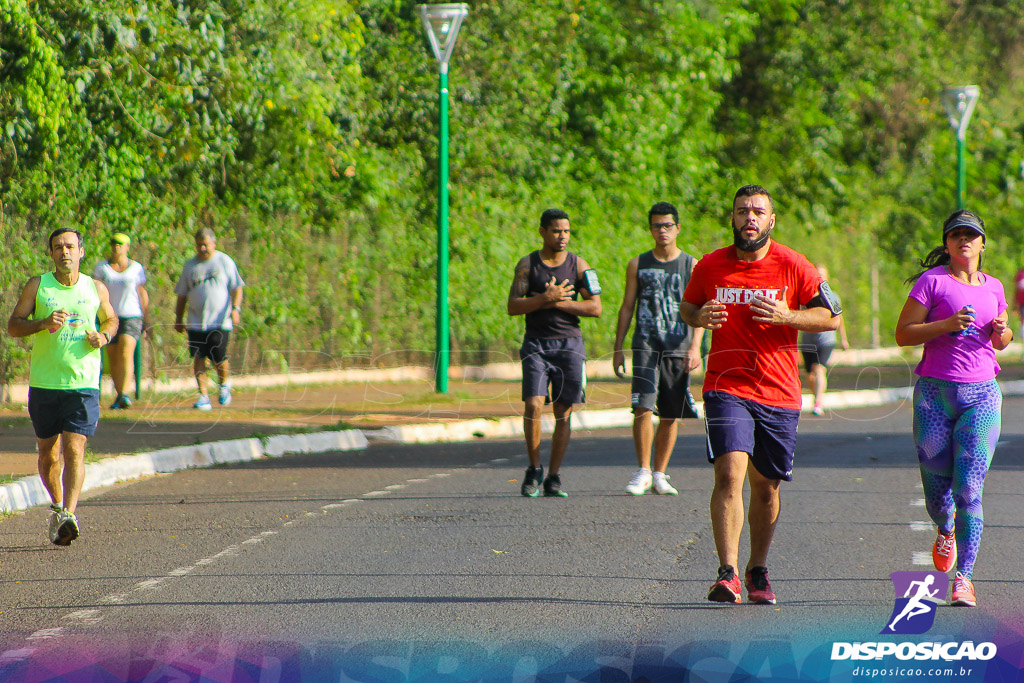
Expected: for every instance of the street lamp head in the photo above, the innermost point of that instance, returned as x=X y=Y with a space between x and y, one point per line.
x=442 y=23
x=959 y=103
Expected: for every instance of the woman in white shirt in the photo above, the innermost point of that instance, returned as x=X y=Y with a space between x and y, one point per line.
x=126 y=280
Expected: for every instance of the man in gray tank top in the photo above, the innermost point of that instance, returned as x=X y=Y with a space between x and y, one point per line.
x=665 y=349
x=553 y=288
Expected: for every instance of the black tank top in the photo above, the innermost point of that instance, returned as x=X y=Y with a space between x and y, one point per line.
x=550 y=323
x=660 y=289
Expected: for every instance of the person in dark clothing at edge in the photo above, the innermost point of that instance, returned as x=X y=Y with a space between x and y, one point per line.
x=553 y=288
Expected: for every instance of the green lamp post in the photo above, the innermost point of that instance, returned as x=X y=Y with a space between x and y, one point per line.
x=442 y=23
x=959 y=103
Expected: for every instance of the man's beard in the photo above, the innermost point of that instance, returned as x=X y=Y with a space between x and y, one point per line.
x=744 y=244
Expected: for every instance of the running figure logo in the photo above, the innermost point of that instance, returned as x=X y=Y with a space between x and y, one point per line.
x=915 y=611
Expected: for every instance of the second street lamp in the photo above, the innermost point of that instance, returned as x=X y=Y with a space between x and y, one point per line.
x=959 y=103
x=442 y=23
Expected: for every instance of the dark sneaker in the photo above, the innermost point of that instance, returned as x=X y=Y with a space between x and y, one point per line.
x=67 y=528
x=759 y=589
x=727 y=588
x=531 y=482
x=553 y=487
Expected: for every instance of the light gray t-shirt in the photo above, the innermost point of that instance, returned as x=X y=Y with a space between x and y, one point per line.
x=208 y=285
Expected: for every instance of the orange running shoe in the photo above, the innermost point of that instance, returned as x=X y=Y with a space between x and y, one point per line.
x=944 y=551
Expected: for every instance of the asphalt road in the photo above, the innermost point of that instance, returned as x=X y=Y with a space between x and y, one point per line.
x=424 y=562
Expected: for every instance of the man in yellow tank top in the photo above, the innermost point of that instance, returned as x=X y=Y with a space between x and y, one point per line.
x=58 y=311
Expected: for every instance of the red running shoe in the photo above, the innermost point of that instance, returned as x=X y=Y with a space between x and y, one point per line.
x=963 y=591
x=727 y=588
x=944 y=551
x=759 y=589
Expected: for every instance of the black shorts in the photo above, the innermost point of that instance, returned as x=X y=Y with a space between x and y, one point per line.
x=63 y=410
x=766 y=433
x=818 y=355
x=128 y=326
x=560 y=363
x=212 y=344
x=661 y=383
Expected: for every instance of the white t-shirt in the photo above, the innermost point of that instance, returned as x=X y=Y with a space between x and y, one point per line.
x=207 y=285
x=123 y=287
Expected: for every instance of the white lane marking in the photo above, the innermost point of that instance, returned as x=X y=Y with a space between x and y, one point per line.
x=47 y=633
x=500 y=460
x=917 y=503
x=11 y=656
x=922 y=526
x=921 y=558
x=88 y=617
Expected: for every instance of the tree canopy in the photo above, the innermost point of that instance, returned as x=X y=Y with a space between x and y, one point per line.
x=304 y=133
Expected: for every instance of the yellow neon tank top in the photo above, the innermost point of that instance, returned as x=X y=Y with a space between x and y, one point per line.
x=62 y=358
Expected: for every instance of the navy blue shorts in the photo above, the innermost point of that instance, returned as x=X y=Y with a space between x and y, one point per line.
x=63 y=410
x=766 y=433
x=558 y=363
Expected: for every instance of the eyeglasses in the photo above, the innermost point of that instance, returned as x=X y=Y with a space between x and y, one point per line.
x=666 y=226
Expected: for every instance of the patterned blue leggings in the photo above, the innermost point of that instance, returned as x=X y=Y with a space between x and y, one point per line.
x=956 y=427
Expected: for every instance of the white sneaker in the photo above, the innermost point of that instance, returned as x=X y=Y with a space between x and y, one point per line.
x=662 y=486
x=640 y=483
x=224 y=398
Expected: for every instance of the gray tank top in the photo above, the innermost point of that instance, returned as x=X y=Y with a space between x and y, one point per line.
x=661 y=284
x=551 y=323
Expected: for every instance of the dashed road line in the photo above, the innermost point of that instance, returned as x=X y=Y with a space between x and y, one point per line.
x=91 y=617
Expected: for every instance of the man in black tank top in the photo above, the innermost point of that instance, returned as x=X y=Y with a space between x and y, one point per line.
x=665 y=349
x=553 y=288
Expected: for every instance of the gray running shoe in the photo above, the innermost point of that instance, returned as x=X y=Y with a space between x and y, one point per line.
x=54 y=516
x=67 y=528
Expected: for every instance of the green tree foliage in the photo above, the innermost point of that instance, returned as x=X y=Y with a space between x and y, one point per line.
x=304 y=132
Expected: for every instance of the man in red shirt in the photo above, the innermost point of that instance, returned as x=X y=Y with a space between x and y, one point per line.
x=751 y=295
x=1019 y=282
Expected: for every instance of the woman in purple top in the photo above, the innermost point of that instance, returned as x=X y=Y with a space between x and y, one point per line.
x=959 y=314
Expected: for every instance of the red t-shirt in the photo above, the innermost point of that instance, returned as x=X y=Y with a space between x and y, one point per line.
x=1019 y=281
x=750 y=359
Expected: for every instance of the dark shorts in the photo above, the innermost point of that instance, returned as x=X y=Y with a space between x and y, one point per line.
x=766 y=433
x=817 y=355
x=661 y=383
x=128 y=326
x=558 y=363
x=63 y=410
x=212 y=344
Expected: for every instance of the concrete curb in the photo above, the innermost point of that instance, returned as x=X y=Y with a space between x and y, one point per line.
x=511 y=427
x=29 y=491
